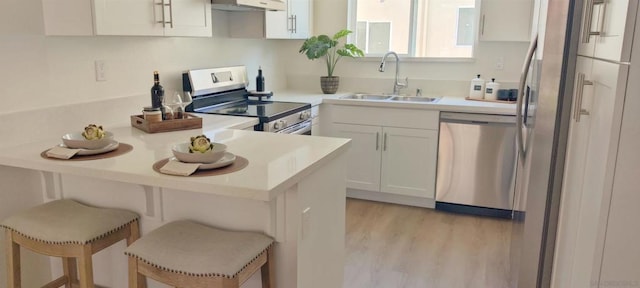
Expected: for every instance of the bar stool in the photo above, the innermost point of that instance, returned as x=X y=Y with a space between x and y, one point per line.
x=66 y=229
x=188 y=254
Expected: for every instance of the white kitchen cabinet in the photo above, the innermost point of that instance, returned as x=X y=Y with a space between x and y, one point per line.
x=604 y=26
x=592 y=148
x=621 y=252
x=364 y=159
x=190 y=18
x=393 y=151
x=294 y=23
x=573 y=180
x=505 y=20
x=409 y=158
x=131 y=18
x=232 y=5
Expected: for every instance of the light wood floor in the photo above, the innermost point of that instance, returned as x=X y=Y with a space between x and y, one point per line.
x=394 y=246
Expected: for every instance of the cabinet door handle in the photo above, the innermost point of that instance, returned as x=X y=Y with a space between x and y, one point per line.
x=385 y=142
x=578 y=110
x=295 y=23
x=171 y=12
x=377 y=141
x=164 y=18
x=588 y=17
x=482 y=25
x=290 y=24
x=161 y=4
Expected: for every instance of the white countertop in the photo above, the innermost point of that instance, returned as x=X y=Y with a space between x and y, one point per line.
x=276 y=161
x=446 y=103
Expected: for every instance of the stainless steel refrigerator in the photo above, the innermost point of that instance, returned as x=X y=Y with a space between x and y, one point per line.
x=548 y=110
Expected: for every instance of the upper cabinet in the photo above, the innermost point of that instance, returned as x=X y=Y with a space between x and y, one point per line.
x=128 y=17
x=243 y=5
x=505 y=20
x=294 y=23
x=604 y=26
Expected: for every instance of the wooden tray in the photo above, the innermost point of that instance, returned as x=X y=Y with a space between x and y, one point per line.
x=487 y=100
x=191 y=122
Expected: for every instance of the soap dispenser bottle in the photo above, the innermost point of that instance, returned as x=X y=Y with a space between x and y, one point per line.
x=476 y=90
x=491 y=91
x=260 y=81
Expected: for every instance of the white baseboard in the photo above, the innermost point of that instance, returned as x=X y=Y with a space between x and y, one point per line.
x=391 y=198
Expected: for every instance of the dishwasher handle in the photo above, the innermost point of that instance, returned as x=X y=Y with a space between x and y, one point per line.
x=477 y=119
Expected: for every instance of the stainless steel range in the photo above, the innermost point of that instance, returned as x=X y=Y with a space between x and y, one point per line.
x=223 y=91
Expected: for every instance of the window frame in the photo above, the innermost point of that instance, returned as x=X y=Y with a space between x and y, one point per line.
x=352 y=22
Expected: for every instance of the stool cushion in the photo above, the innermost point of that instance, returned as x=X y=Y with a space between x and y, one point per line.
x=193 y=249
x=68 y=222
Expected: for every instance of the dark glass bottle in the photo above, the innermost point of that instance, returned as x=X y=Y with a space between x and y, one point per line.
x=260 y=81
x=157 y=93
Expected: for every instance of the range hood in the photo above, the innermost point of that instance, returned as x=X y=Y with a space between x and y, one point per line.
x=249 y=5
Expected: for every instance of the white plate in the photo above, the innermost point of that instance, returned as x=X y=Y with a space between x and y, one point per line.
x=76 y=140
x=226 y=160
x=84 y=152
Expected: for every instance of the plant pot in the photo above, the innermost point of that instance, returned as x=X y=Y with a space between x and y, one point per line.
x=329 y=84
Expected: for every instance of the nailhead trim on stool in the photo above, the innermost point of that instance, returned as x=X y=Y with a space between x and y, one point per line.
x=192 y=249
x=68 y=222
x=70 y=230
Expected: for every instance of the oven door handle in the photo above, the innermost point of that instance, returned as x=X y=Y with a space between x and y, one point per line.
x=297 y=129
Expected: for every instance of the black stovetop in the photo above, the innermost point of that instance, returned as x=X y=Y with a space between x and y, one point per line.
x=267 y=111
x=237 y=104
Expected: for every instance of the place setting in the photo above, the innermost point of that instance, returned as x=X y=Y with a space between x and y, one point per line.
x=91 y=144
x=200 y=157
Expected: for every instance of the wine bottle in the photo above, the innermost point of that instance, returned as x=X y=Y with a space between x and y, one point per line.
x=157 y=93
x=260 y=81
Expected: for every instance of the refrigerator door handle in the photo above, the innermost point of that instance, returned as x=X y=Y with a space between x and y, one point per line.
x=523 y=82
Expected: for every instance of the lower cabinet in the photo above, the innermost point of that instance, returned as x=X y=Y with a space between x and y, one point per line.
x=365 y=156
x=398 y=161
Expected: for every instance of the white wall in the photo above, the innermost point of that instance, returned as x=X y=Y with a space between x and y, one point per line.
x=40 y=71
x=363 y=75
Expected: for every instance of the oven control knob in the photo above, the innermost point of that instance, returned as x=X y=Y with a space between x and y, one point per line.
x=280 y=125
x=304 y=115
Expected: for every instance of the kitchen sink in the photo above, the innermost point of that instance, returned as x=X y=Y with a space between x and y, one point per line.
x=386 y=97
x=366 y=97
x=414 y=99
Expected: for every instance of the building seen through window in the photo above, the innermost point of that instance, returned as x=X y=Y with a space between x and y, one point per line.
x=414 y=28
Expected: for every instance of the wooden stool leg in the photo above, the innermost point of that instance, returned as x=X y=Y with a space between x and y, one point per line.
x=13 y=261
x=85 y=266
x=70 y=270
x=134 y=232
x=268 y=279
x=136 y=280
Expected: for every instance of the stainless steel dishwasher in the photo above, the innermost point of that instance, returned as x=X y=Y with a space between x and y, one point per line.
x=476 y=164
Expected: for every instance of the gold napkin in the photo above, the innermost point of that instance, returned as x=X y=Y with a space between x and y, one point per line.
x=175 y=167
x=62 y=152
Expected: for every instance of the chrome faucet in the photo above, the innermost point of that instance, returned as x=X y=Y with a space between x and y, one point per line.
x=397 y=85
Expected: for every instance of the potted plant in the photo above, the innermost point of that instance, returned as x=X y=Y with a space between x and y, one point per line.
x=325 y=46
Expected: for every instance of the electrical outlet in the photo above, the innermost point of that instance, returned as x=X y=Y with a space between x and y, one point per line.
x=101 y=70
x=500 y=63
x=306 y=223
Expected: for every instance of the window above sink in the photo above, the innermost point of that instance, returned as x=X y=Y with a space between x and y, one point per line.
x=414 y=28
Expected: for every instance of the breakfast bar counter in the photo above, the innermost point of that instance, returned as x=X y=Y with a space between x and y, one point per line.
x=293 y=189
x=276 y=161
